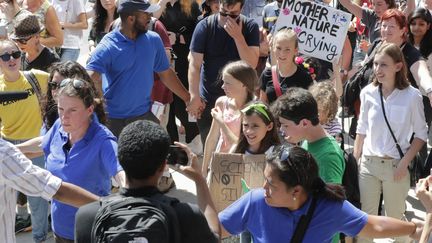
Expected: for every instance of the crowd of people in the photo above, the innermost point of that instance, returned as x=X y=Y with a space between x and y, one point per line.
x=221 y=73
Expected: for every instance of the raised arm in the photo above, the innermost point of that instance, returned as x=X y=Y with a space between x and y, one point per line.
x=352 y=8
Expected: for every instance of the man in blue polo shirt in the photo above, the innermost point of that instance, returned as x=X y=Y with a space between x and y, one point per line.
x=127 y=57
x=217 y=40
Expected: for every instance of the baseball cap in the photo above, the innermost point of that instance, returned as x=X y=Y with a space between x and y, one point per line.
x=127 y=6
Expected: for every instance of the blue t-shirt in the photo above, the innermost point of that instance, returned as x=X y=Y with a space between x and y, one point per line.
x=128 y=66
x=90 y=164
x=219 y=49
x=271 y=224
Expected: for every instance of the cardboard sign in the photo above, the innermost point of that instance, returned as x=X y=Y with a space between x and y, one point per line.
x=321 y=29
x=226 y=172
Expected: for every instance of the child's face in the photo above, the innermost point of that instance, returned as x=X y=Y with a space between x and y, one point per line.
x=323 y=115
x=254 y=129
x=232 y=87
x=285 y=50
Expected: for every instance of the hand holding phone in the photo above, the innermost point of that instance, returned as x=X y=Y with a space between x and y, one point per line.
x=177 y=155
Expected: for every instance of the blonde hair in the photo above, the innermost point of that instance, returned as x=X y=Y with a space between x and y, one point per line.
x=287 y=34
x=326 y=98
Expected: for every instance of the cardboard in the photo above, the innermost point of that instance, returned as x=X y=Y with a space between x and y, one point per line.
x=226 y=172
x=321 y=29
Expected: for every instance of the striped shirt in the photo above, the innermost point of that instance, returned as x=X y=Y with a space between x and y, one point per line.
x=18 y=173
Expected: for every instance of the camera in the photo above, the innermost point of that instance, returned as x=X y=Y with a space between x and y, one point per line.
x=177 y=155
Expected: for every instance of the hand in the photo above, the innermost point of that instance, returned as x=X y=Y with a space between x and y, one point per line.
x=233 y=29
x=172 y=37
x=193 y=170
x=217 y=114
x=419 y=228
x=196 y=106
x=337 y=63
x=400 y=172
x=423 y=192
x=364 y=45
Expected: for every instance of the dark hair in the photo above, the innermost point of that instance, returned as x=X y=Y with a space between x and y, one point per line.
x=300 y=168
x=244 y=73
x=395 y=53
x=296 y=104
x=271 y=138
x=232 y=2
x=425 y=43
x=101 y=16
x=142 y=149
x=391 y=3
x=68 y=69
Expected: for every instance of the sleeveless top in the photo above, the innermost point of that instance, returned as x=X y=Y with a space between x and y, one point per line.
x=233 y=121
x=40 y=14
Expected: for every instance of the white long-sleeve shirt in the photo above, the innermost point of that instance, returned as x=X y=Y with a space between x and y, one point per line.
x=18 y=173
x=404 y=111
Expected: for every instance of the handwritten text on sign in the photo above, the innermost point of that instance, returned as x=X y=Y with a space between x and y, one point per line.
x=225 y=174
x=321 y=29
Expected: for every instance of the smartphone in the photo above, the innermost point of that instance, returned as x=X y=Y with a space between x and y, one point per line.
x=177 y=155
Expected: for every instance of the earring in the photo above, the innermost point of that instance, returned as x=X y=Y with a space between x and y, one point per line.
x=294 y=198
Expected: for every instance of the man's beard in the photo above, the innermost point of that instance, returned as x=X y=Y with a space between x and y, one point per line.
x=140 y=29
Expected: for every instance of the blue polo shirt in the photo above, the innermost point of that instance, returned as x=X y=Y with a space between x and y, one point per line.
x=90 y=164
x=271 y=224
x=219 y=48
x=128 y=66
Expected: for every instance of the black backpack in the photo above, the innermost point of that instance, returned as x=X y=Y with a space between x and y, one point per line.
x=136 y=219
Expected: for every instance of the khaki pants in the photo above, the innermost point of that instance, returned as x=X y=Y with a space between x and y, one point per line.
x=376 y=174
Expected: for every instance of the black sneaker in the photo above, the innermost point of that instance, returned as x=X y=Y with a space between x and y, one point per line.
x=22 y=224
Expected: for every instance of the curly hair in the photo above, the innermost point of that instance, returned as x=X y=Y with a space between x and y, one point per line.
x=326 y=98
x=142 y=149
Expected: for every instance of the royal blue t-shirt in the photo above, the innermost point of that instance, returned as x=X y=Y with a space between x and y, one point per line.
x=90 y=164
x=271 y=224
x=219 y=49
x=128 y=66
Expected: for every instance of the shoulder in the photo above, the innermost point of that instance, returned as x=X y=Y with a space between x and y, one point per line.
x=84 y=220
x=221 y=101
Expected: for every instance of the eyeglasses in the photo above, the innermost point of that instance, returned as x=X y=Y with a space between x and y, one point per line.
x=53 y=85
x=76 y=83
x=233 y=16
x=6 y=57
x=23 y=41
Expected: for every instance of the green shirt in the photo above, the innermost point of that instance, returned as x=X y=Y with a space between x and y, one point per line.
x=329 y=157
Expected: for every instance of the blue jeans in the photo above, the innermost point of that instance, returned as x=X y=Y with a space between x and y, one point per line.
x=38 y=206
x=67 y=54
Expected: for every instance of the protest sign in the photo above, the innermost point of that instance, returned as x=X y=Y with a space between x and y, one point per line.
x=321 y=29
x=226 y=172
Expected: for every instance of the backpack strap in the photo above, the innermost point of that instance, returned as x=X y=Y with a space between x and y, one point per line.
x=31 y=78
x=303 y=223
x=276 y=83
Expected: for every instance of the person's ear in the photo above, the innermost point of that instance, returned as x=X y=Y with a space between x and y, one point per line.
x=399 y=66
x=270 y=126
x=90 y=110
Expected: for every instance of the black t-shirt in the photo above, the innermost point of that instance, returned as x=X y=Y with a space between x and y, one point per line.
x=299 y=79
x=412 y=55
x=43 y=61
x=192 y=223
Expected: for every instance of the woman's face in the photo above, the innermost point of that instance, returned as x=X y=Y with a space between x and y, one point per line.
x=232 y=87
x=276 y=193
x=108 y=4
x=214 y=6
x=419 y=27
x=10 y=61
x=379 y=6
x=57 y=78
x=385 y=68
x=391 y=32
x=255 y=130
x=285 y=50
x=73 y=114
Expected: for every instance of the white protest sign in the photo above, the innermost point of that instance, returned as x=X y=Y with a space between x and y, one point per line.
x=321 y=29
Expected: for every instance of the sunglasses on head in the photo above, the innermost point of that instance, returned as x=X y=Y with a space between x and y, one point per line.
x=76 y=83
x=23 y=41
x=53 y=85
x=6 y=57
x=284 y=157
x=233 y=16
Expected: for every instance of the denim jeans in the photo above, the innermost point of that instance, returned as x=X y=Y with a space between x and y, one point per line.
x=67 y=54
x=38 y=206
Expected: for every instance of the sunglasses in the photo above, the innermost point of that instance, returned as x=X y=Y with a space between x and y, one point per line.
x=53 y=85
x=284 y=157
x=76 y=83
x=6 y=57
x=23 y=41
x=233 y=16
